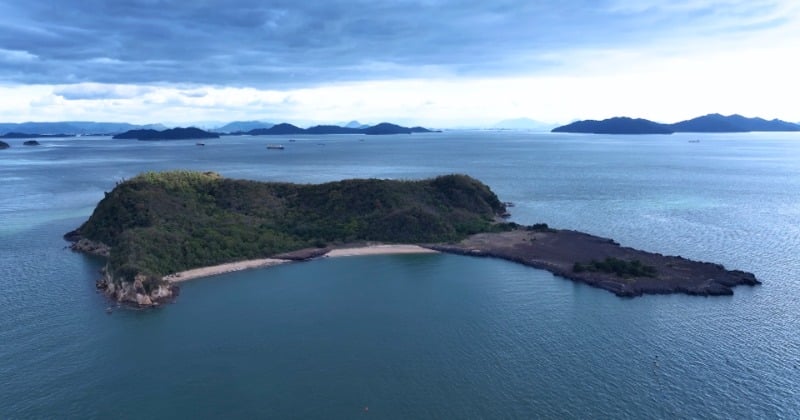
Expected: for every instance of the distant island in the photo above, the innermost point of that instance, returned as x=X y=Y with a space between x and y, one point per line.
x=616 y=125
x=31 y=143
x=284 y=129
x=169 y=134
x=378 y=129
x=156 y=226
x=712 y=123
x=15 y=135
x=4 y=145
x=71 y=128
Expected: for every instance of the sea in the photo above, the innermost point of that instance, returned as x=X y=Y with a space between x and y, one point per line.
x=417 y=336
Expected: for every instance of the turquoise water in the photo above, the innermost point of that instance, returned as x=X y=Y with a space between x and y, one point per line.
x=418 y=336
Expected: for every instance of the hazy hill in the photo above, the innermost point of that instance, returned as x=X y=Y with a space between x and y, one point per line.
x=73 y=127
x=242 y=126
x=277 y=129
x=355 y=124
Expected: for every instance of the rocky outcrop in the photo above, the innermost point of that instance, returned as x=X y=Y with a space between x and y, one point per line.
x=133 y=293
x=91 y=247
x=4 y=145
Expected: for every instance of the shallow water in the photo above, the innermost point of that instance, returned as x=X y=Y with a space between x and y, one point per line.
x=418 y=335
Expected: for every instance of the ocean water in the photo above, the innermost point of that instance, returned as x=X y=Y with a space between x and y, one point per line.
x=418 y=336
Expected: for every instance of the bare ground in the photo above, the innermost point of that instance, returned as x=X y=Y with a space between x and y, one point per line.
x=558 y=250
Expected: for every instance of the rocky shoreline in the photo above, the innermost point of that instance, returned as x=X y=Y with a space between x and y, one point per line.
x=558 y=251
x=130 y=293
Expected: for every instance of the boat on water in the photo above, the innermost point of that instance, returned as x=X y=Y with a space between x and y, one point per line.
x=694 y=141
x=199 y=144
x=275 y=146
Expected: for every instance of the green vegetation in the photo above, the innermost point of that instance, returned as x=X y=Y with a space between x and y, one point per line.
x=618 y=267
x=159 y=223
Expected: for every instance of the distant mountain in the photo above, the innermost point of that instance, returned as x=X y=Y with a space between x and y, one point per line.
x=170 y=134
x=355 y=124
x=278 y=129
x=379 y=129
x=716 y=123
x=616 y=125
x=522 y=124
x=242 y=126
x=73 y=127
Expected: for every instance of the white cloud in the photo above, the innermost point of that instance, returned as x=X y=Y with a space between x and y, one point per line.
x=16 y=56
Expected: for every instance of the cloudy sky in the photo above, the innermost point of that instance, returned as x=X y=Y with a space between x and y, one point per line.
x=440 y=63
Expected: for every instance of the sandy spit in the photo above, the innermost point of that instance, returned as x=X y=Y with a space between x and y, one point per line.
x=214 y=270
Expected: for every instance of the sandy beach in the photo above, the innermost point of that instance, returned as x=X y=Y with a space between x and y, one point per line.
x=268 y=262
x=214 y=270
x=379 y=250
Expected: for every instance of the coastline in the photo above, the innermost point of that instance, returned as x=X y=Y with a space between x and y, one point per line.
x=213 y=270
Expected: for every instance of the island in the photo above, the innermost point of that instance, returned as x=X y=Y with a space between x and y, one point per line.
x=16 y=135
x=159 y=228
x=378 y=129
x=716 y=123
x=4 y=145
x=179 y=133
x=31 y=143
x=616 y=125
x=711 y=123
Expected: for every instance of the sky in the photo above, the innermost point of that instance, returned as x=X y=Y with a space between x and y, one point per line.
x=439 y=63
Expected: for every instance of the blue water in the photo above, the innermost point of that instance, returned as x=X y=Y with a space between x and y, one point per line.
x=418 y=336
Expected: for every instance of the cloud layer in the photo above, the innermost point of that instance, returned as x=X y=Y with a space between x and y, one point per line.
x=445 y=60
x=283 y=43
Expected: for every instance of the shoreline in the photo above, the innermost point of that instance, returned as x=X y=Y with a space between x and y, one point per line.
x=214 y=270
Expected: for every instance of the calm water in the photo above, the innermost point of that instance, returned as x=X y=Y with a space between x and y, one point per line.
x=419 y=336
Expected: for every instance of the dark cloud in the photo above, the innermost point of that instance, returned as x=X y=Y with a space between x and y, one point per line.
x=283 y=43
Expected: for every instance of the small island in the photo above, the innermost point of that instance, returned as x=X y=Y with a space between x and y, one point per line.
x=189 y=133
x=31 y=143
x=4 y=145
x=159 y=228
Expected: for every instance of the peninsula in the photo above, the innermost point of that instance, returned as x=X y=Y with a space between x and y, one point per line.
x=158 y=224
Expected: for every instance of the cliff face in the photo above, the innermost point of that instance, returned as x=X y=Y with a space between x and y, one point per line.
x=120 y=289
